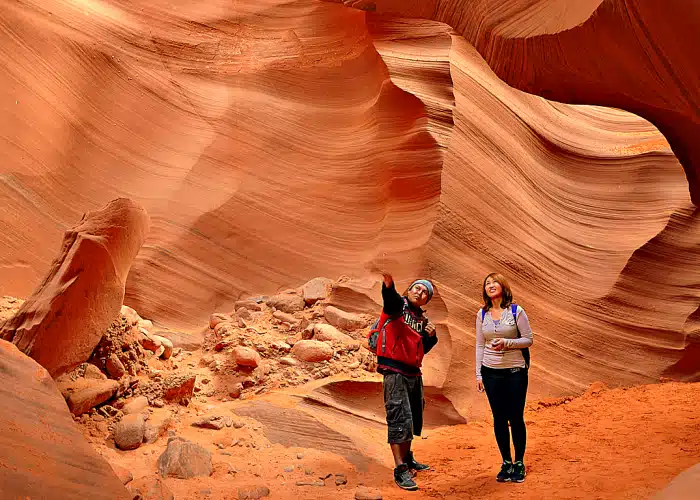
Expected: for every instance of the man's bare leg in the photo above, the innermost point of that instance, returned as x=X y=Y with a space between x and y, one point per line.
x=400 y=452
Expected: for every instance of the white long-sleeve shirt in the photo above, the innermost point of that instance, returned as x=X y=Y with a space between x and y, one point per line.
x=504 y=328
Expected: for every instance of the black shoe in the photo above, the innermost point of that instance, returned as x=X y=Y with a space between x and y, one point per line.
x=402 y=476
x=506 y=472
x=412 y=464
x=517 y=474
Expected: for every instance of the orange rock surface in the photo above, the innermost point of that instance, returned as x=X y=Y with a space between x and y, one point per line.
x=63 y=321
x=42 y=452
x=272 y=142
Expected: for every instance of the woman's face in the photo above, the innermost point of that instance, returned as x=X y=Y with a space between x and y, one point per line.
x=418 y=295
x=493 y=288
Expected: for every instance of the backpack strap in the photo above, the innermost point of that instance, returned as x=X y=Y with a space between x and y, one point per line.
x=514 y=311
x=483 y=314
x=382 y=332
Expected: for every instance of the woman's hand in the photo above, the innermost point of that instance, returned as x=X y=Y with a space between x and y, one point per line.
x=498 y=345
x=430 y=328
x=479 y=386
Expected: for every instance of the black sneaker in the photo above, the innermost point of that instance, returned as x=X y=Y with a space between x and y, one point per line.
x=412 y=464
x=402 y=476
x=517 y=475
x=506 y=472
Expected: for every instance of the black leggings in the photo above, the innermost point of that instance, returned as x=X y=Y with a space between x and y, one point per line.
x=506 y=389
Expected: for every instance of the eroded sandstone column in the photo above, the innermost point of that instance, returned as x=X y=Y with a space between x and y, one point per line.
x=64 y=319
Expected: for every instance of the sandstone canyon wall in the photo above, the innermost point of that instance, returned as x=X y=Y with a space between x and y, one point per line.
x=275 y=141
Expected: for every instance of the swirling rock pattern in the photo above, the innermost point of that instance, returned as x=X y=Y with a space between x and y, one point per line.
x=275 y=141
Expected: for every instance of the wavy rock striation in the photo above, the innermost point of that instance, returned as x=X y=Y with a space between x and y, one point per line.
x=276 y=141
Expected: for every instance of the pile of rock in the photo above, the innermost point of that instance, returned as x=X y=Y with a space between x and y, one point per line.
x=286 y=339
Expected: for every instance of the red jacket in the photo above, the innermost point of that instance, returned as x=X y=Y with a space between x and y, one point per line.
x=402 y=343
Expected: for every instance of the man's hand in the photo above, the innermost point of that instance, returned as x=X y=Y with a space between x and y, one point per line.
x=430 y=328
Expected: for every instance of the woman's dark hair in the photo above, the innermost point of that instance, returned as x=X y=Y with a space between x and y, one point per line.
x=506 y=298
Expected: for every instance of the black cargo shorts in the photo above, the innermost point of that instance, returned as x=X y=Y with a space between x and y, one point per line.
x=404 y=403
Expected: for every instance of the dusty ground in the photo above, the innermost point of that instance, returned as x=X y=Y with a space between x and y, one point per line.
x=612 y=444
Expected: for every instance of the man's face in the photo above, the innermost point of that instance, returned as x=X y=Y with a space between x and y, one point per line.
x=418 y=295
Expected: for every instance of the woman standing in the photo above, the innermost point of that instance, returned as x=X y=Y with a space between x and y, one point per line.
x=503 y=336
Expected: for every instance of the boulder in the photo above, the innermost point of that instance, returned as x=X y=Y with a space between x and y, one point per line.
x=216 y=422
x=88 y=393
x=247 y=304
x=132 y=317
x=344 y=320
x=312 y=351
x=148 y=341
x=44 y=454
x=316 y=289
x=93 y=373
x=184 y=460
x=286 y=318
x=60 y=325
x=217 y=318
x=288 y=303
x=235 y=391
x=245 y=356
x=129 y=431
x=115 y=367
x=330 y=333
x=135 y=405
x=157 y=425
x=178 y=387
x=166 y=345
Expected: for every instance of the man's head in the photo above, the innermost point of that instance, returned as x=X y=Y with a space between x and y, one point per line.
x=420 y=292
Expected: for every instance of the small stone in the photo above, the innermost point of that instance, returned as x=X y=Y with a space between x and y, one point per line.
x=300 y=456
x=364 y=493
x=183 y=459
x=244 y=313
x=311 y=483
x=115 y=367
x=253 y=493
x=236 y=390
x=340 y=479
